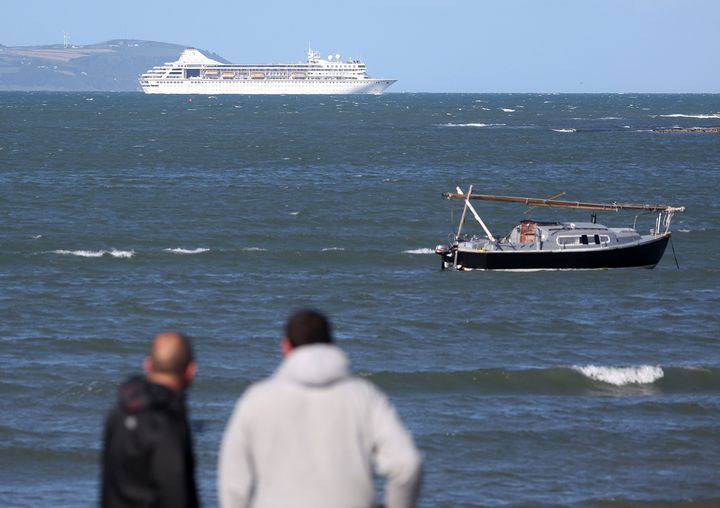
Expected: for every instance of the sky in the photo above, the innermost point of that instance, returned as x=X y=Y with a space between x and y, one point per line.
x=474 y=46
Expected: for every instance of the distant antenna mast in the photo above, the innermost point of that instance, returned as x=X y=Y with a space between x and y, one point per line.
x=66 y=39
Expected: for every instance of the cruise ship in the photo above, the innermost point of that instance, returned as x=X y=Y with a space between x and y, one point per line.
x=195 y=73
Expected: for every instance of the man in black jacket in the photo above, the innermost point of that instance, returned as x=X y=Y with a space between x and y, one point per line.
x=147 y=454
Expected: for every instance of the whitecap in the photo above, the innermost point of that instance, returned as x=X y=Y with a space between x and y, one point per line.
x=419 y=251
x=327 y=249
x=565 y=130
x=253 y=249
x=293 y=213
x=81 y=253
x=507 y=110
x=180 y=250
x=470 y=125
x=35 y=237
x=121 y=253
x=620 y=376
x=96 y=253
x=681 y=115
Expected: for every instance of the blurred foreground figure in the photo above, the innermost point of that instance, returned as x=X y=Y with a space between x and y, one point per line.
x=311 y=435
x=147 y=454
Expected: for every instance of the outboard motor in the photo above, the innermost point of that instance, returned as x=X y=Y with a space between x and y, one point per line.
x=445 y=253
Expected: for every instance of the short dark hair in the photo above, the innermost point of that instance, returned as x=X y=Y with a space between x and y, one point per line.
x=171 y=353
x=308 y=326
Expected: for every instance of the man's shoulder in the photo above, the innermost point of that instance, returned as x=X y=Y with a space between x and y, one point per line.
x=150 y=422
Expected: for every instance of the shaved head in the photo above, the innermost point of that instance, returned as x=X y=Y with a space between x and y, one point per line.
x=171 y=353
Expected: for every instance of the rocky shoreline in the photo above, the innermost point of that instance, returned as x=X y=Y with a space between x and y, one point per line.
x=715 y=128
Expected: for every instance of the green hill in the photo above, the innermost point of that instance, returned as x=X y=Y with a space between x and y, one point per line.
x=111 y=66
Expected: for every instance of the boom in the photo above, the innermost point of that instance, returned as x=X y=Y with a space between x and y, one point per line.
x=598 y=207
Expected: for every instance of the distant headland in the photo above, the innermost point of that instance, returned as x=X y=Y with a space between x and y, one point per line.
x=111 y=66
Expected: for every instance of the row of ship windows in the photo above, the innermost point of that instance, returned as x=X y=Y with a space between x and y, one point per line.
x=195 y=71
x=213 y=81
x=262 y=68
x=170 y=79
x=271 y=74
x=583 y=240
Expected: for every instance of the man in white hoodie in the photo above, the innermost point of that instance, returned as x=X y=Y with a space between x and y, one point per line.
x=310 y=435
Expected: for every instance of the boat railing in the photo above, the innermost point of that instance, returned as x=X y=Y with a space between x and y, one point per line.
x=664 y=219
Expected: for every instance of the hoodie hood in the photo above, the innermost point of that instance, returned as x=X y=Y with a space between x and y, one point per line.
x=138 y=394
x=315 y=365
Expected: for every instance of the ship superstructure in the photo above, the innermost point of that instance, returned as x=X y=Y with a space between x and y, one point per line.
x=195 y=73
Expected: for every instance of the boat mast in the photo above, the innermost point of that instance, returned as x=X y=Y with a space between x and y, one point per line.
x=477 y=216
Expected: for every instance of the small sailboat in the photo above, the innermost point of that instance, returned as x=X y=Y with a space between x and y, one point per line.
x=546 y=245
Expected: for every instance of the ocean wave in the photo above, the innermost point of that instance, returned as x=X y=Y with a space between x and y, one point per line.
x=471 y=125
x=681 y=115
x=180 y=250
x=253 y=249
x=507 y=110
x=328 y=249
x=565 y=130
x=561 y=380
x=96 y=253
x=620 y=376
x=419 y=251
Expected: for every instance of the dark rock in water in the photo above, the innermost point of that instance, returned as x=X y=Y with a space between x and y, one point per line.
x=688 y=129
x=111 y=66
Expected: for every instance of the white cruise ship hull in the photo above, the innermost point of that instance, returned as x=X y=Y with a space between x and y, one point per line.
x=268 y=87
x=195 y=73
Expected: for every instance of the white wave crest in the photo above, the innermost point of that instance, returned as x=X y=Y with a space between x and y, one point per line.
x=81 y=253
x=253 y=249
x=620 y=376
x=327 y=249
x=565 y=130
x=121 y=253
x=471 y=125
x=507 y=110
x=96 y=253
x=680 y=115
x=180 y=250
x=419 y=251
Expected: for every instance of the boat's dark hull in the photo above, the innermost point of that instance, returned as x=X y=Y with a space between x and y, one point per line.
x=646 y=254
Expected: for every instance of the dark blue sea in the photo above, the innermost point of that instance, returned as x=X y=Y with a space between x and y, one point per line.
x=125 y=214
